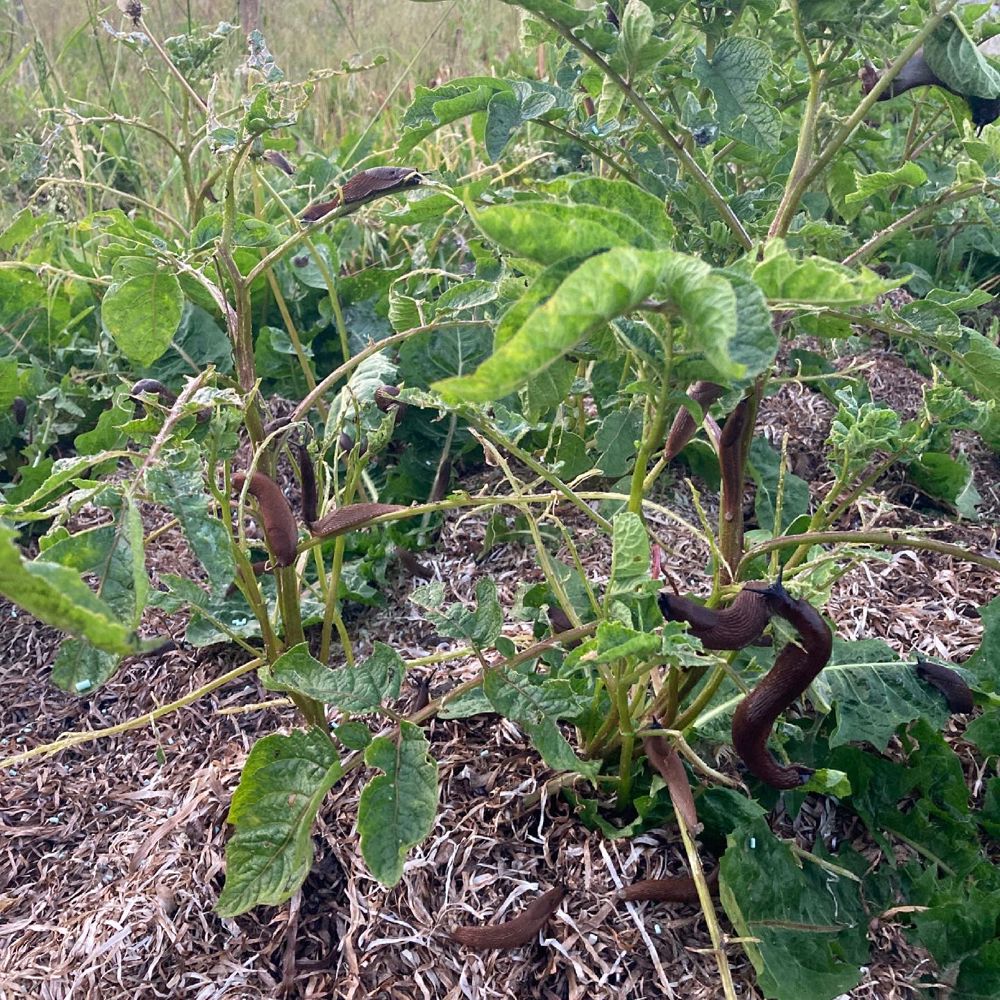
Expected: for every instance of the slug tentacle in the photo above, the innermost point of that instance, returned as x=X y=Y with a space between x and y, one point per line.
x=280 y=528
x=792 y=673
x=520 y=930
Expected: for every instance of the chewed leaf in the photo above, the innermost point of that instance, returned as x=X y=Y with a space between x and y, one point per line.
x=397 y=808
x=284 y=781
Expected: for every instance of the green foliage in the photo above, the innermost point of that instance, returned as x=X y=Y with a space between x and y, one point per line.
x=679 y=191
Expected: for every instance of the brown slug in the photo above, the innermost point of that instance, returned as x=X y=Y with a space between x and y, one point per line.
x=366 y=185
x=793 y=671
x=949 y=682
x=19 y=409
x=310 y=498
x=386 y=399
x=731 y=628
x=280 y=528
x=681 y=889
x=167 y=397
x=683 y=428
x=355 y=515
x=520 y=930
x=668 y=763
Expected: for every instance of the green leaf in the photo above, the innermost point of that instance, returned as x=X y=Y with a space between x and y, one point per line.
x=616 y=441
x=397 y=808
x=754 y=344
x=764 y=467
x=636 y=30
x=284 y=780
x=480 y=626
x=629 y=555
x=56 y=595
x=624 y=197
x=536 y=705
x=601 y=288
x=548 y=231
x=984 y=733
x=815 y=280
x=873 y=693
x=737 y=67
x=866 y=185
x=177 y=482
x=142 y=314
x=557 y=10
x=707 y=304
x=20 y=229
x=985 y=662
x=80 y=668
x=374 y=682
x=945 y=478
x=956 y=60
x=809 y=925
x=503 y=116
x=979 y=975
x=925 y=801
x=433 y=107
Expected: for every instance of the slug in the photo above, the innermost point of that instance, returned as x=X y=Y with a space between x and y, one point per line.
x=167 y=397
x=791 y=674
x=732 y=628
x=280 y=528
x=520 y=930
x=385 y=399
x=731 y=459
x=355 y=515
x=667 y=761
x=949 y=682
x=366 y=186
x=310 y=499
x=683 y=428
x=19 y=409
x=670 y=890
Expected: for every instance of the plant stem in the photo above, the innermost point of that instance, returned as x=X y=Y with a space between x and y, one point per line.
x=889 y=538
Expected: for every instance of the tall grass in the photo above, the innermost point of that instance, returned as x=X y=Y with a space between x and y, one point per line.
x=57 y=55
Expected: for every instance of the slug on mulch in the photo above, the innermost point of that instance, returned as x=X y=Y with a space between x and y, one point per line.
x=515 y=932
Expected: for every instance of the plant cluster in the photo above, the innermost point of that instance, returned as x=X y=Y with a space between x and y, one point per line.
x=684 y=190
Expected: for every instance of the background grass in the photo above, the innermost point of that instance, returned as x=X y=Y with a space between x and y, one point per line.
x=57 y=55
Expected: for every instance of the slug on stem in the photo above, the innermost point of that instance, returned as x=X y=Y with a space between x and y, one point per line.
x=732 y=628
x=520 y=930
x=792 y=673
x=366 y=186
x=280 y=529
x=683 y=428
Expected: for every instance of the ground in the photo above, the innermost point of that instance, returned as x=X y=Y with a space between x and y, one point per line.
x=113 y=851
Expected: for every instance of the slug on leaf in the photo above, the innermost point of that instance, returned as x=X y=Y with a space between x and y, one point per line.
x=949 y=682
x=792 y=673
x=520 y=930
x=280 y=528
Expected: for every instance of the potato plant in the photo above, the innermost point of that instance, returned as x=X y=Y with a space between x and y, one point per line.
x=713 y=187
